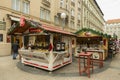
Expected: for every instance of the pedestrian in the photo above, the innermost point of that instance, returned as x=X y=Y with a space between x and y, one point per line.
x=15 y=48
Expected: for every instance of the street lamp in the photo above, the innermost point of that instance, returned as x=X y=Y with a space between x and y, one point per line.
x=63 y=16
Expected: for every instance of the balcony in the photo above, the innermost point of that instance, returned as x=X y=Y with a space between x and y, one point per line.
x=46 y=3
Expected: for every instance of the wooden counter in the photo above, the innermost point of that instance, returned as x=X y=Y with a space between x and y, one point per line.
x=97 y=54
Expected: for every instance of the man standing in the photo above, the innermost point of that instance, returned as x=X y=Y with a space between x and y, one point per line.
x=15 y=48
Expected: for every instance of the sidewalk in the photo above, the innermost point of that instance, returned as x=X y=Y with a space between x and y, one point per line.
x=14 y=70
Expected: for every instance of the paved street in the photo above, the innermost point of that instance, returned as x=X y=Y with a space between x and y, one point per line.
x=14 y=70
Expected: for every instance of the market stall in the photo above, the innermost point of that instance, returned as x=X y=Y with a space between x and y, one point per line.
x=44 y=46
x=92 y=41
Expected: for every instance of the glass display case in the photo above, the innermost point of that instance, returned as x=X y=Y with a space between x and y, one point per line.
x=39 y=42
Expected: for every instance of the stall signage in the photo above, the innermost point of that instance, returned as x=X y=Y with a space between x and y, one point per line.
x=87 y=33
x=35 y=30
x=2 y=25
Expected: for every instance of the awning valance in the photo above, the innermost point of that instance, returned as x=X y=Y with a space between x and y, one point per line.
x=14 y=18
x=17 y=29
x=55 y=29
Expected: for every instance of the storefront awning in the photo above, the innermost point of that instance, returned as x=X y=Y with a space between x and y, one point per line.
x=55 y=29
x=14 y=18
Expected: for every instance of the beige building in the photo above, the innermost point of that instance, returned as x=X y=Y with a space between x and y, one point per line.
x=92 y=16
x=76 y=14
x=113 y=27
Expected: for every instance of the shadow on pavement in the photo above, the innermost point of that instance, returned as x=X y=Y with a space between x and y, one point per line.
x=70 y=70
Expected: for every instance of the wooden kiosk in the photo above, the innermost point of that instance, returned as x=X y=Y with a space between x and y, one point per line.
x=45 y=47
x=93 y=41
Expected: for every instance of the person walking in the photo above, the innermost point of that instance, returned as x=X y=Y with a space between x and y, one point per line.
x=15 y=48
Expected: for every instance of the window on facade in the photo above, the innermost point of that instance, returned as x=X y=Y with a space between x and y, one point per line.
x=26 y=7
x=86 y=1
x=78 y=16
x=48 y=0
x=72 y=12
x=56 y=20
x=73 y=0
x=78 y=26
x=67 y=6
x=45 y=14
x=72 y=24
x=61 y=3
x=16 y=5
x=78 y=4
x=2 y=25
x=1 y=37
x=42 y=15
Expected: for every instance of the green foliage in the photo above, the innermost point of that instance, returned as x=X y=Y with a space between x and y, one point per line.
x=93 y=31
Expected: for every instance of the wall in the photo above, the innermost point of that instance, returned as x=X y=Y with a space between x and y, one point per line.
x=5 y=49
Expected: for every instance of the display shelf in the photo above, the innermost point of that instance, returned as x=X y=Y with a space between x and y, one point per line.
x=59 y=52
x=111 y=48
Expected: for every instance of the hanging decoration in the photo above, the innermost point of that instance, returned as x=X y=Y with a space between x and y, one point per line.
x=22 y=21
x=94 y=32
x=50 y=47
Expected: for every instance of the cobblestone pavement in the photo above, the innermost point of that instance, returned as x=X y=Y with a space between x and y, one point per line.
x=14 y=70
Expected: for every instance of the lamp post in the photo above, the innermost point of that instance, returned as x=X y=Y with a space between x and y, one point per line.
x=63 y=16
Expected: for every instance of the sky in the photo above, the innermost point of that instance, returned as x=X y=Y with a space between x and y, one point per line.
x=110 y=8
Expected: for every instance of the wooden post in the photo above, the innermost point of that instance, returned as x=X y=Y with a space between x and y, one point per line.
x=51 y=56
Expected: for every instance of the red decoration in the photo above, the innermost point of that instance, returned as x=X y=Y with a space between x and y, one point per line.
x=73 y=42
x=50 y=47
x=22 y=21
x=35 y=30
x=104 y=42
x=87 y=33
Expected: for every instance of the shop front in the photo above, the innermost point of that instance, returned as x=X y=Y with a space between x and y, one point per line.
x=92 y=41
x=44 y=46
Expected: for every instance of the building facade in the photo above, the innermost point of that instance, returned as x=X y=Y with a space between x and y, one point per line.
x=92 y=16
x=77 y=14
x=113 y=27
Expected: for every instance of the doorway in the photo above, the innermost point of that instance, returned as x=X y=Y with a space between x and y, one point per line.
x=18 y=39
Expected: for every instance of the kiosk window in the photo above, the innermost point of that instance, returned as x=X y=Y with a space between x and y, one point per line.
x=1 y=37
